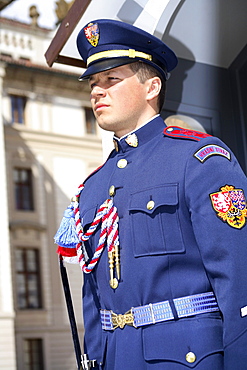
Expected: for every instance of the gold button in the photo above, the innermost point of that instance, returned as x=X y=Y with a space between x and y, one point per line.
x=150 y=205
x=122 y=163
x=112 y=191
x=190 y=357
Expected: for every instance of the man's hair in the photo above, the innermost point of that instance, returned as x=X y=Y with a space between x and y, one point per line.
x=145 y=71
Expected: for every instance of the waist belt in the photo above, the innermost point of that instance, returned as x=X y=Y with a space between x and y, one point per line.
x=161 y=311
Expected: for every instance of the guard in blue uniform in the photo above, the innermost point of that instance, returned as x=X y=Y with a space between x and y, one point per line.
x=160 y=232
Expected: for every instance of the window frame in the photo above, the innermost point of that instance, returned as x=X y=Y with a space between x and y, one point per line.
x=29 y=353
x=18 y=107
x=90 y=121
x=20 y=187
x=26 y=274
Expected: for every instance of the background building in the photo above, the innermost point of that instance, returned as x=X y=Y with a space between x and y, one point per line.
x=49 y=142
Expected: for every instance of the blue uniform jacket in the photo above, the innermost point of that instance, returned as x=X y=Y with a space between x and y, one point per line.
x=180 y=247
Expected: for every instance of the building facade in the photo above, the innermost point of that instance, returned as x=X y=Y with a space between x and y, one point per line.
x=50 y=142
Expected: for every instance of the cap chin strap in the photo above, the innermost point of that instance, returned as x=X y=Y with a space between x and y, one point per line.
x=131 y=53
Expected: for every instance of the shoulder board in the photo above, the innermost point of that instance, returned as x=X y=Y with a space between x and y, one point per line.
x=181 y=133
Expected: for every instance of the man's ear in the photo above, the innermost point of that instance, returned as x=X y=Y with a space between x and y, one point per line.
x=154 y=87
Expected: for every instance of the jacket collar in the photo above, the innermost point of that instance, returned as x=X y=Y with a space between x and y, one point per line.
x=140 y=136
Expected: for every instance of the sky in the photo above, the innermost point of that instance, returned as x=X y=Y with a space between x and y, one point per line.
x=19 y=10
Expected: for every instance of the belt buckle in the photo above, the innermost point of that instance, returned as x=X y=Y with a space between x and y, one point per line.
x=119 y=321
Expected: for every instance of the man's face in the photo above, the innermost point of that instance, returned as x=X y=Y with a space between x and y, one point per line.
x=119 y=100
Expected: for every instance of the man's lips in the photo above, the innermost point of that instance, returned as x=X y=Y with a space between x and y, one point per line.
x=100 y=106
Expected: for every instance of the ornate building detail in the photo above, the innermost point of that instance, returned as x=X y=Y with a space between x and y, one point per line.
x=62 y=9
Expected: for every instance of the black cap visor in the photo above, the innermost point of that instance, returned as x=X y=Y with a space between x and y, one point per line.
x=110 y=63
x=104 y=65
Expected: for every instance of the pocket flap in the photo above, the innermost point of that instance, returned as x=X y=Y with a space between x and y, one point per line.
x=173 y=341
x=159 y=196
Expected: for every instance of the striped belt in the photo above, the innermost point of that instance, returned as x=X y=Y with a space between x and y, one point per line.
x=161 y=311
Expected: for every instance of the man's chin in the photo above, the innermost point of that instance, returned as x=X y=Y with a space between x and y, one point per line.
x=106 y=127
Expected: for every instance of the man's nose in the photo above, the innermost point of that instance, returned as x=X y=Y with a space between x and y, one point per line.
x=98 y=91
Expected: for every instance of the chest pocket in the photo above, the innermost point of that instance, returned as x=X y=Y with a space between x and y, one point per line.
x=155 y=225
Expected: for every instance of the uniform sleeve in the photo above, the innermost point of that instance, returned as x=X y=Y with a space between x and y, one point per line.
x=215 y=189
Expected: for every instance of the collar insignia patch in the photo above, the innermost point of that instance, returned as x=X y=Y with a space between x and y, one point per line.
x=132 y=140
x=92 y=33
x=230 y=205
x=209 y=150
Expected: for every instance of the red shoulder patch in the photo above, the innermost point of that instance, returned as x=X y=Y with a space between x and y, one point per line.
x=179 y=132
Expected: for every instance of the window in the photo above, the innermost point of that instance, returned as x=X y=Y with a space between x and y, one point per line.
x=23 y=189
x=18 y=104
x=33 y=354
x=90 y=121
x=28 y=278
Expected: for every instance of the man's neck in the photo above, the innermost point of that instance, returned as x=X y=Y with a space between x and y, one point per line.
x=137 y=128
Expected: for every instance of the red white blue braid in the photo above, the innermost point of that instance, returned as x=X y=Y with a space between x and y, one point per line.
x=108 y=217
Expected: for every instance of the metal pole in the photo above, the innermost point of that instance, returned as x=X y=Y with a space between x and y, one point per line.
x=71 y=314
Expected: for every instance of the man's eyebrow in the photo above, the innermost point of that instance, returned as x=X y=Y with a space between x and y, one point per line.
x=92 y=79
x=104 y=73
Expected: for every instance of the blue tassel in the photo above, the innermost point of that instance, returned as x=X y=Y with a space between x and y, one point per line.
x=66 y=235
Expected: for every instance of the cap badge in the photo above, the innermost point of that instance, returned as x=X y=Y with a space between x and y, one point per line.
x=92 y=33
x=230 y=205
x=132 y=140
